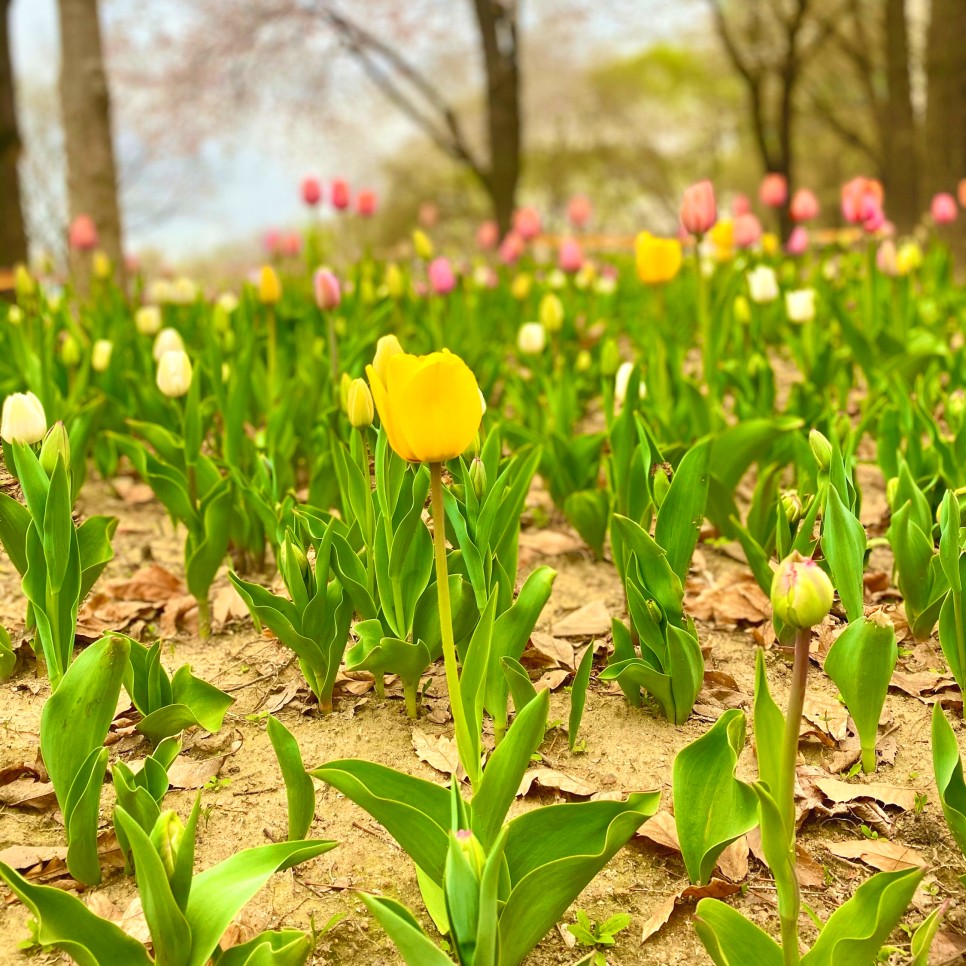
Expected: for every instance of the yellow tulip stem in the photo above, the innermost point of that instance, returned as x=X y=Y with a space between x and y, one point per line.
x=272 y=353
x=464 y=742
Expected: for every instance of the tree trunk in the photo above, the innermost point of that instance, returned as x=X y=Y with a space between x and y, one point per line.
x=86 y=103
x=900 y=142
x=499 y=35
x=13 y=239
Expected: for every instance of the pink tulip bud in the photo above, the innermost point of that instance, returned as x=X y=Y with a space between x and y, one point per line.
x=774 y=190
x=366 y=203
x=874 y=219
x=747 y=231
x=428 y=214
x=272 y=241
x=579 y=211
x=511 y=248
x=861 y=200
x=83 y=234
x=526 y=222
x=698 y=210
x=797 y=242
x=885 y=258
x=740 y=205
x=340 y=194
x=804 y=206
x=291 y=244
x=328 y=293
x=488 y=236
x=311 y=191
x=571 y=256
x=943 y=208
x=441 y=276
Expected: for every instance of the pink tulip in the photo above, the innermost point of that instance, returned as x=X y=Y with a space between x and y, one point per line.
x=774 y=190
x=83 y=234
x=291 y=244
x=272 y=241
x=698 y=210
x=875 y=220
x=328 y=293
x=526 y=222
x=511 y=248
x=797 y=242
x=579 y=211
x=366 y=203
x=441 y=276
x=340 y=194
x=740 y=205
x=943 y=208
x=804 y=206
x=428 y=214
x=311 y=191
x=747 y=231
x=862 y=201
x=885 y=258
x=132 y=264
x=571 y=256
x=488 y=236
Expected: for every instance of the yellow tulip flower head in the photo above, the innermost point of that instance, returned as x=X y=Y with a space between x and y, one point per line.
x=722 y=236
x=430 y=406
x=269 y=286
x=658 y=259
x=770 y=243
x=423 y=245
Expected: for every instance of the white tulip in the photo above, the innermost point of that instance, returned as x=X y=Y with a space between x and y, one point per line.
x=24 y=419
x=762 y=284
x=184 y=291
x=101 y=355
x=227 y=302
x=15 y=315
x=161 y=291
x=621 y=380
x=532 y=338
x=168 y=340
x=174 y=373
x=800 y=304
x=147 y=320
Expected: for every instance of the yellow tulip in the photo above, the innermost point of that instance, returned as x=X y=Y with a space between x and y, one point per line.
x=423 y=245
x=521 y=285
x=658 y=259
x=102 y=266
x=722 y=236
x=269 y=286
x=770 y=243
x=430 y=406
x=908 y=258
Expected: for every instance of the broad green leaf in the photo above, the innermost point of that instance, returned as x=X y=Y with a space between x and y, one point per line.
x=14 y=521
x=299 y=790
x=288 y=947
x=924 y=935
x=415 y=947
x=844 y=544
x=730 y=939
x=521 y=687
x=952 y=631
x=578 y=694
x=681 y=514
x=948 y=769
x=769 y=727
x=712 y=807
x=588 y=511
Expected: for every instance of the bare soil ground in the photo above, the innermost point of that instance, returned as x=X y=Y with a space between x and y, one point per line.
x=627 y=749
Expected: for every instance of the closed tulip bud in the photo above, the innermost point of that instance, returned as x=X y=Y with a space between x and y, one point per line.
x=861 y=200
x=821 y=449
x=478 y=478
x=167 y=837
x=83 y=234
x=23 y=282
x=892 y=489
x=774 y=190
x=585 y=277
x=610 y=358
x=311 y=191
x=551 y=312
x=56 y=446
x=147 y=320
x=740 y=205
x=394 y=281
x=698 y=209
x=622 y=380
x=741 y=309
x=345 y=384
x=366 y=203
x=801 y=593
x=658 y=260
x=339 y=194
x=956 y=405
x=269 y=286
x=441 y=276
x=606 y=285
x=386 y=348
x=660 y=486
x=291 y=553
x=722 y=236
x=792 y=506
x=886 y=259
x=511 y=248
x=746 y=231
x=770 y=243
x=15 y=315
x=804 y=206
x=488 y=236
x=291 y=244
x=174 y=373
x=167 y=340
x=70 y=351
x=943 y=208
x=571 y=256
x=23 y=419
x=328 y=295
x=422 y=244
x=800 y=304
x=908 y=257
x=521 y=285
x=359 y=405
x=101 y=266
x=526 y=223
x=797 y=243
x=579 y=211
x=584 y=361
x=101 y=355
x=532 y=338
x=762 y=285
x=470 y=846
x=184 y=291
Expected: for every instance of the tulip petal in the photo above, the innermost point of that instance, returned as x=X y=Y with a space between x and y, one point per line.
x=381 y=398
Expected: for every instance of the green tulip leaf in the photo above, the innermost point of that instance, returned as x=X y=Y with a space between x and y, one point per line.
x=415 y=947
x=730 y=939
x=578 y=694
x=948 y=768
x=844 y=545
x=286 y=947
x=299 y=790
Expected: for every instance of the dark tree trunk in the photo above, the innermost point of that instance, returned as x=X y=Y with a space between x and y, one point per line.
x=86 y=103
x=500 y=38
x=13 y=239
x=900 y=141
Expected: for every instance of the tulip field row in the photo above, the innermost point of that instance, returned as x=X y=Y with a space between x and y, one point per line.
x=541 y=602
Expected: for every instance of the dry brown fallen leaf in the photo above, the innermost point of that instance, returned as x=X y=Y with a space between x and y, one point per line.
x=880 y=853
x=227 y=607
x=947 y=948
x=550 y=651
x=842 y=792
x=924 y=685
x=661 y=830
x=735 y=599
x=551 y=779
x=550 y=543
x=27 y=793
x=188 y=772
x=593 y=618
x=132 y=492
x=438 y=752
x=828 y=715
x=716 y=889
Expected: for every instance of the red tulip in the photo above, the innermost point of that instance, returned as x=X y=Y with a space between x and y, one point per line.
x=311 y=191
x=366 y=203
x=943 y=208
x=804 y=206
x=698 y=209
x=488 y=236
x=83 y=234
x=862 y=201
x=774 y=190
x=340 y=194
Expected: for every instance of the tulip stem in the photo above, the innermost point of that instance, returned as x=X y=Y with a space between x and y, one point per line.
x=464 y=741
x=333 y=351
x=707 y=338
x=272 y=354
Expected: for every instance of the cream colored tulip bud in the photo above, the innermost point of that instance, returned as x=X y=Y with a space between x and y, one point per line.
x=147 y=320
x=532 y=338
x=101 y=355
x=23 y=419
x=167 y=836
x=551 y=312
x=168 y=340
x=801 y=593
x=359 y=405
x=174 y=373
x=821 y=449
x=56 y=446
